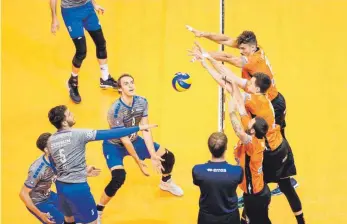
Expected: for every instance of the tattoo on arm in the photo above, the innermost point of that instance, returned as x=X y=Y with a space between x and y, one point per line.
x=236 y=124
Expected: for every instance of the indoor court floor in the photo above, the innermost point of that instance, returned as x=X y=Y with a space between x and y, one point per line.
x=304 y=40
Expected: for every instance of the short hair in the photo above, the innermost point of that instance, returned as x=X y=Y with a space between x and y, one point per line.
x=57 y=115
x=41 y=142
x=119 y=84
x=260 y=127
x=246 y=37
x=217 y=143
x=262 y=81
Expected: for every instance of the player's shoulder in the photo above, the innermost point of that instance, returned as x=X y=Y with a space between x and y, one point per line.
x=140 y=99
x=37 y=166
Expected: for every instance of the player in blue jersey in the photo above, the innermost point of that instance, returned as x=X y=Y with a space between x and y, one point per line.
x=67 y=149
x=79 y=15
x=36 y=192
x=127 y=111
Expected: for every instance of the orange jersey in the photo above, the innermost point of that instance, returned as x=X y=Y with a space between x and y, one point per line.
x=258 y=62
x=259 y=105
x=250 y=158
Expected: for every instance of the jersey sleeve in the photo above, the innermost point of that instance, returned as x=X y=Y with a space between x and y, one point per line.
x=145 y=112
x=251 y=63
x=245 y=119
x=86 y=135
x=115 y=117
x=33 y=177
x=249 y=103
x=195 y=176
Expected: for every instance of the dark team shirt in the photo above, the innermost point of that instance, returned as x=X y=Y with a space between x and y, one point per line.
x=218 y=182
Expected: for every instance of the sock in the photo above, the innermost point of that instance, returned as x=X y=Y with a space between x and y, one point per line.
x=300 y=218
x=104 y=72
x=165 y=179
x=100 y=208
x=74 y=74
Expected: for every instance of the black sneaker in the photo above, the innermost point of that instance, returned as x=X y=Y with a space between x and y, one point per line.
x=109 y=83
x=73 y=89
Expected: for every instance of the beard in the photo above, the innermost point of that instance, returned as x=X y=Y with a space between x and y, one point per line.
x=71 y=123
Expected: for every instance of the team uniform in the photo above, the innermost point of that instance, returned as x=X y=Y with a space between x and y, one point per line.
x=79 y=15
x=256 y=192
x=218 y=199
x=40 y=179
x=258 y=62
x=121 y=115
x=67 y=149
x=278 y=162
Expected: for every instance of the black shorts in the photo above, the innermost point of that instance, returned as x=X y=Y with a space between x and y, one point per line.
x=279 y=105
x=232 y=218
x=279 y=163
x=257 y=206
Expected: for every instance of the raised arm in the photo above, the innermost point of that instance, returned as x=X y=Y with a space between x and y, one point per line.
x=229 y=58
x=236 y=123
x=222 y=69
x=218 y=38
x=120 y=132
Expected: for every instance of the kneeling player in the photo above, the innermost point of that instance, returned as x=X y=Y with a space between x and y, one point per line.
x=130 y=110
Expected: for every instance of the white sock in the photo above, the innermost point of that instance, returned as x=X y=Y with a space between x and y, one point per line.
x=74 y=74
x=104 y=72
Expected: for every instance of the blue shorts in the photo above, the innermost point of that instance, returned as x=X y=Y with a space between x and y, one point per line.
x=76 y=200
x=50 y=205
x=114 y=154
x=80 y=17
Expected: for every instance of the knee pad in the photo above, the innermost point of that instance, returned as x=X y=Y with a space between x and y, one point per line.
x=169 y=162
x=118 y=178
x=100 y=43
x=81 y=51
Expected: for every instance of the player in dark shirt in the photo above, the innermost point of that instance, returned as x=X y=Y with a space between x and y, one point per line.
x=218 y=181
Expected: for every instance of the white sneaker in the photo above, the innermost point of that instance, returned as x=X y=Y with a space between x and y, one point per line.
x=171 y=187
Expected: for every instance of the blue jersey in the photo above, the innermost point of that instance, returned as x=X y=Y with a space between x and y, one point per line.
x=122 y=115
x=218 y=182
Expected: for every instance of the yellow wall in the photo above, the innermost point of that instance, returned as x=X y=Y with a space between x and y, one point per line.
x=303 y=39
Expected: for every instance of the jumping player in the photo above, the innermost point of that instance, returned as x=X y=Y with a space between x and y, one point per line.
x=79 y=15
x=67 y=148
x=36 y=192
x=130 y=110
x=252 y=60
x=249 y=154
x=278 y=164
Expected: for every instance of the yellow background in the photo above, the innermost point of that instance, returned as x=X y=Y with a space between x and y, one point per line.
x=304 y=40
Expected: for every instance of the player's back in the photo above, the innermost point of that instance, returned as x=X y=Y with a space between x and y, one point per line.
x=259 y=105
x=258 y=62
x=250 y=157
x=67 y=149
x=122 y=115
x=40 y=179
x=218 y=182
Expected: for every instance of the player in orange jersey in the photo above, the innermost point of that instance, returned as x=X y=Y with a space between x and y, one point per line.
x=278 y=163
x=249 y=154
x=252 y=60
